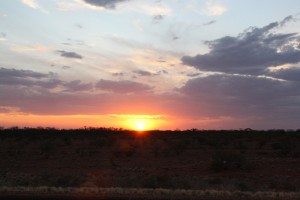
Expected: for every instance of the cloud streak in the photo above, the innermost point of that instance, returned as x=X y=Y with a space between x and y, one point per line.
x=10 y=73
x=214 y=9
x=69 y=54
x=30 y=3
x=108 y=4
x=143 y=73
x=2 y=36
x=122 y=86
x=209 y=23
x=289 y=74
x=77 y=85
x=29 y=78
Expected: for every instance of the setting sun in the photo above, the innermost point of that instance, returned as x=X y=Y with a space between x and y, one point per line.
x=140 y=125
x=140 y=122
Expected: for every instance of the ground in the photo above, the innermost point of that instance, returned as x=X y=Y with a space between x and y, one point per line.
x=192 y=162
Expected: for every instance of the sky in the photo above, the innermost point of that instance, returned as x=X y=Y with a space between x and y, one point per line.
x=150 y=64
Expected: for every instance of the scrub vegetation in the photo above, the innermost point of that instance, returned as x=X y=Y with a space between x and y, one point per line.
x=191 y=163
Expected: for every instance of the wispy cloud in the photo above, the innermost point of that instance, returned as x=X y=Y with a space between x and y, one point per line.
x=2 y=36
x=65 y=5
x=209 y=23
x=143 y=73
x=215 y=9
x=69 y=54
x=155 y=10
x=3 y=15
x=122 y=86
x=107 y=4
x=27 y=48
x=210 y=7
x=31 y=3
x=5 y=72
x=158 y=18
x=137 y=116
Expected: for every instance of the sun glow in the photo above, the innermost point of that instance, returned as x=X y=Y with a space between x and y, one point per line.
x=140 y=125
x=140 y=122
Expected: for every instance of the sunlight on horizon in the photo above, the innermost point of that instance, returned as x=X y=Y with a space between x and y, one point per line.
x=142 y=122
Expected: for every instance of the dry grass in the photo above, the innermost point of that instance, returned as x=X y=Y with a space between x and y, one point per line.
x=145 y=193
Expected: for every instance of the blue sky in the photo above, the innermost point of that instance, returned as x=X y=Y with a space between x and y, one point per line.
x=194 y=63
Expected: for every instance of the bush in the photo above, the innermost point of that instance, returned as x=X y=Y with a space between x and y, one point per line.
x=283 y=148
x=55 y=180
x=123 y=148
x=227 y=161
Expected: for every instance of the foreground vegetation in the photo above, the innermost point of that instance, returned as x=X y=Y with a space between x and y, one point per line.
x=229 y=163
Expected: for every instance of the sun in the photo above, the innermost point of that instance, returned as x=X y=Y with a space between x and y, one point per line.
x=140 y=125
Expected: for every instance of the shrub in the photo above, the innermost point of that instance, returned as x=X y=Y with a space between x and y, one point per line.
x=227 y=161
x=283 y=148
x=61 y=180
x=123 y=148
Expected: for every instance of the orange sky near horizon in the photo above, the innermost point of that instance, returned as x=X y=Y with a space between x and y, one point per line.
x=125 y=121
x=132 y=122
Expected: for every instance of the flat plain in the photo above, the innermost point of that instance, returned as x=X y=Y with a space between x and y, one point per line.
x=108 y=163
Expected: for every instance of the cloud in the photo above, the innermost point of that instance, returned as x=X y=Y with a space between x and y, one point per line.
x=45 y=93
x=118 y=74
x=234 y=101
x=77 y=85
x=45 y=102
x=122 y=86
x=163 y=72
x=31 y=3
x=209 y=23
x=155 y=10
x=63 y=5
x=263 y=101
x=48 y=84
x=214 y=9
x=158 y=18
x=108 y=4
x=66 y=67
x=289 y=74
x=193 y=74
x=2 y=36
x=69 y=54
x=250 y=52
x=27 y=78
x=143 y=73
x=208 y=7
x=19 y=73
x=4 y=110
x=28 y=48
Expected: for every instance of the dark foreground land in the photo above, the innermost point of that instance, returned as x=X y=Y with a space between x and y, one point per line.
x=100 y=163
